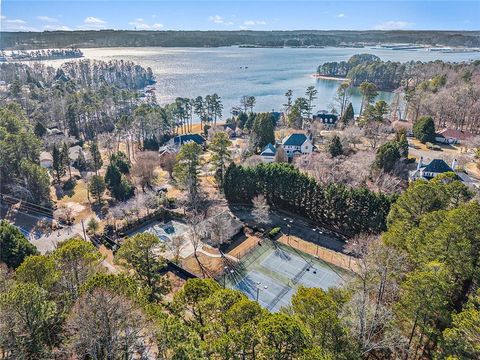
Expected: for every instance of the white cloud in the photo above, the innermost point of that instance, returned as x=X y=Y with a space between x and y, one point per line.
x=217 y=19
x=90 y=20
x=47 y=19
x=15 y=25
x=93 y=23
x=254 y=22
x=341 y=15
x=140 y=24
x=57 y=27
x=392 y=25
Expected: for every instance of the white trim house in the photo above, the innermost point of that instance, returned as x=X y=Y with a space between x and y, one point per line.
x=297 y=144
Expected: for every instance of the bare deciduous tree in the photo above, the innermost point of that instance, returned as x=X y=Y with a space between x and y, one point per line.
x=261 y=210
x=281 y=156
x=64 y=214
x=376 y=133
x=167 y=162
x=253 y=161
x=368 y=314
x=177 y=244
x=352 y=170
x=107 y=325
x=352 y=135
x=144 y=168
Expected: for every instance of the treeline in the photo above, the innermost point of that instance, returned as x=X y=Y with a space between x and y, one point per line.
x=83 y=98
x=91 y=73
x=45 y=54
x=446 y=92
x=114 y=38
x=386 y=75
x=348 y=210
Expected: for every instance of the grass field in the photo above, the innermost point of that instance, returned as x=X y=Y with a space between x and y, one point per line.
x=272 y=273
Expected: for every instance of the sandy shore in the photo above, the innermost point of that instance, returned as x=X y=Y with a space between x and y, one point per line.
x=324 y=77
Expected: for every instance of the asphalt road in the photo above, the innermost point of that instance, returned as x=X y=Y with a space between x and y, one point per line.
x=298 y=227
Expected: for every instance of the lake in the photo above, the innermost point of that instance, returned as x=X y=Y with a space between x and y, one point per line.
x=266 y=73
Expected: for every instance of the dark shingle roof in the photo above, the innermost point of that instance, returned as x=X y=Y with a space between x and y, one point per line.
x=295 y=140
x=437 y=166
x=182 y=139
x=326 y=118
x=269 y=150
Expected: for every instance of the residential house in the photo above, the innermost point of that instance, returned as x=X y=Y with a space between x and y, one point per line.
x=451 y=136
x=268 y=153
x=166 y=150
x=179 y=140
x=432 y=169
x=46 y=160
x=297 y=144
x=328 y=120
x=74 y=152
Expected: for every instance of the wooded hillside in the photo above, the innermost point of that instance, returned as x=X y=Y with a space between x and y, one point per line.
x=114 y=38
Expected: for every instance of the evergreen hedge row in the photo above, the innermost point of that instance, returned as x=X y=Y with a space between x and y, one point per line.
x=347 y=210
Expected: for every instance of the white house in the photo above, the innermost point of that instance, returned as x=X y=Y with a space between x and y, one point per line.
x=451 y=136
x=429 y=171
x=268 y=153
x=297 y=144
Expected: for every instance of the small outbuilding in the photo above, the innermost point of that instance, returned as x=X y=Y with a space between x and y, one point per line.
x=268 y=153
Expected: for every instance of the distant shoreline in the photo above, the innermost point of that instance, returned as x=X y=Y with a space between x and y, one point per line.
x=216 y=38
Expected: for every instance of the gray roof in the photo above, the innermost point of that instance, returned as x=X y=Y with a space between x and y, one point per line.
x=295 y=140
x=268 y=150
x=326 y=118
x=438 y=166
x=182 y=139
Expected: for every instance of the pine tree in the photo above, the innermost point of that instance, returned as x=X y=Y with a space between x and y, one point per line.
x=40 y=129
x=187 y=169
x=58 y=163
x=263 y=131
x=335 y=147
x=97 y=161
x=97 y=187
x=348 y=115
x=71 y=116
x=221 y=155
x=66 y=159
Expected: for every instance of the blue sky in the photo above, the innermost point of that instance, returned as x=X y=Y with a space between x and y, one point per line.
x=39 y=15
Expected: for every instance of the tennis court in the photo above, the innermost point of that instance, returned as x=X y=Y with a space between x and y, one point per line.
x=273 y=272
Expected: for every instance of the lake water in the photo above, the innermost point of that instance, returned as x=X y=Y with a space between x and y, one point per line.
x=265 y=73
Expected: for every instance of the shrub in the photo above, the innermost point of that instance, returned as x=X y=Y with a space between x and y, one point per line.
x=424 y=129
x=69 y=184
x=274 y=232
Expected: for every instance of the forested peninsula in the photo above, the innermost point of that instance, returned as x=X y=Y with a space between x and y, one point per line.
x=387 y=75
x=128 y=38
